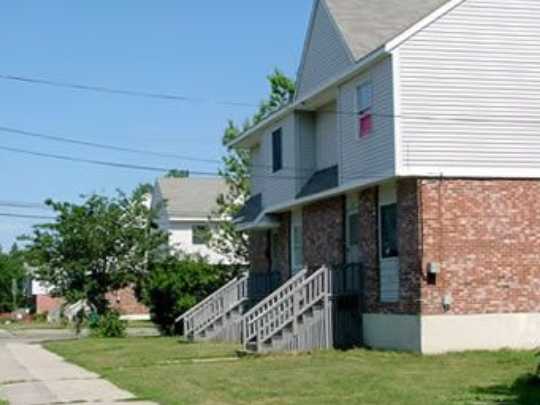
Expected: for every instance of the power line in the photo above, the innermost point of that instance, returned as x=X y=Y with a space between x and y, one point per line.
x=172 y=97
x=123 y=92
x=81 y=160
x=103 y=146
x=25 y=216
x=25 y=205
x=41 y=135
x=152 y=168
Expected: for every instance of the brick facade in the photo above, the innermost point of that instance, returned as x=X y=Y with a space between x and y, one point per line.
x=408 y=225
x=323 y=231
x=282 y=261
x=260 y=250
x=486 y=236
x=46 y=304
x=125 y=302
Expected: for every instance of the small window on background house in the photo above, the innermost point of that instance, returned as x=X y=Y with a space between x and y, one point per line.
x=200 y=234
x=277 y=150
x=364 y=102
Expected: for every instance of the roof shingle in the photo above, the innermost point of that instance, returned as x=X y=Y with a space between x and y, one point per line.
x=369 y=24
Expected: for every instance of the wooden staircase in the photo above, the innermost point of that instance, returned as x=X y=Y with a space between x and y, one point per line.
x=296 y=317
x=218 y=317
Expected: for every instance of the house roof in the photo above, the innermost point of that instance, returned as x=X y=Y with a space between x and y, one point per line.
x=190 y=197
x=322 y=180
x=367 y=25
x=251 y=210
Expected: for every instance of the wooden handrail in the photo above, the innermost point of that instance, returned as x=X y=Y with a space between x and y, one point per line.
x=249 y=320
x=209 y=298
x=295 y=298
x=215 y=306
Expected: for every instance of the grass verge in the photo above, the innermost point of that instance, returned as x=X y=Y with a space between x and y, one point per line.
x=171 y=372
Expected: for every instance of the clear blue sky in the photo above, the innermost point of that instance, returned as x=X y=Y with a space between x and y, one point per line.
x=218 y=50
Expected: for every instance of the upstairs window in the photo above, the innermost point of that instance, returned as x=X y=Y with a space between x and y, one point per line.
x=277 y=150
x=364 y=102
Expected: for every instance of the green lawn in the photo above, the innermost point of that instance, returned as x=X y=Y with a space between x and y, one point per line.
x=172 y=372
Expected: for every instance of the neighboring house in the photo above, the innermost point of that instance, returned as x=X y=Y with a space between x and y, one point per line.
x=123 y=301
x=186 y=207
x=413 y=149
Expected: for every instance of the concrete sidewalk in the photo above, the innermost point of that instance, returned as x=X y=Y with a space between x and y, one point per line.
x=30 y=375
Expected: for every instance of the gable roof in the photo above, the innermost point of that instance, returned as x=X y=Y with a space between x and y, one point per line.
x=369 y=24
x=189 y=197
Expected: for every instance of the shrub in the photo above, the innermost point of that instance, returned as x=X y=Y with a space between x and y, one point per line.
x=107 y=326
x=175 y=285
x=41 y=318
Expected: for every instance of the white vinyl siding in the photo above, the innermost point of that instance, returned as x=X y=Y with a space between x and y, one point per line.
x=325 y=55
x=470 y=92
x=374 y=155
x=326 y=136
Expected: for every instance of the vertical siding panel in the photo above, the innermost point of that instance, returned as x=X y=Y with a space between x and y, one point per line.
x=470 y=92
x=374 y=155
x=326 y=136
x=326 y=54
x=281 y=186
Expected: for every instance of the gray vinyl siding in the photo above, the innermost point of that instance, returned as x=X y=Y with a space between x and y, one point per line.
x=325 y=55
x=326 y=137
x=373 y=156
x=258 y=170
x=470 y=92
x=307 y=148
x=281 y=186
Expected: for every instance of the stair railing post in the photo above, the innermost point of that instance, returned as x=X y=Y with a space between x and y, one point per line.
x=328 y=308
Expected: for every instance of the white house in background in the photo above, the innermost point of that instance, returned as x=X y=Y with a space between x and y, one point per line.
x=186 y=206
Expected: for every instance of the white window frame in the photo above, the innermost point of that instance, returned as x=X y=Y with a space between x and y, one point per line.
x=362 y=111
x=388 y=265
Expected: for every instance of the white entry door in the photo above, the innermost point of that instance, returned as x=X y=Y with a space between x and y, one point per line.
x=388 y=243
x=297 y=242
x=352 y=230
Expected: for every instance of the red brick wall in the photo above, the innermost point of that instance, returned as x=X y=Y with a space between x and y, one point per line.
x=283 y=263
x=323 y=227
x=408 y=228
x=46 y=304
x=125 y=302
x=486 y=235
x=259 y=253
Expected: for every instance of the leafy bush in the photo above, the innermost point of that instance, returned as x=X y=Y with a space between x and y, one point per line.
x=175 y=285
x=41 y=318
x=107 y=326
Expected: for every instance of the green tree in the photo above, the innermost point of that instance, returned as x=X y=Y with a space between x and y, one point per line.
x=236 y=168
x=175 y=284
x=12 y=280
x=177 y=174
x=97 y=247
